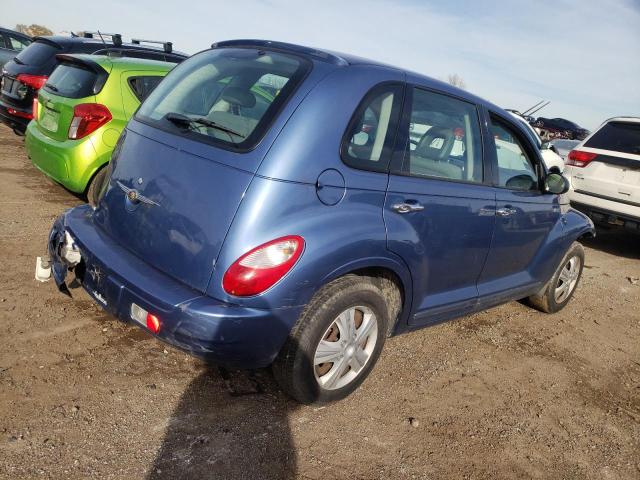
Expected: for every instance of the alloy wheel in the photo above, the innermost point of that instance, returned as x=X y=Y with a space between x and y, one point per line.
x=568 y=279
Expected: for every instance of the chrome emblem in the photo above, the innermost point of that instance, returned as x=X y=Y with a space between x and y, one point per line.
x=140 y=180
x=96 y=275
x=134 y=196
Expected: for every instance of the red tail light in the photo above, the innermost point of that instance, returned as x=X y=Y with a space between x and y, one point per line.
x=581 y=159
x=262 y=267
x=34 y=81
x=87 y=118
x=35 y=107
x=153 y=323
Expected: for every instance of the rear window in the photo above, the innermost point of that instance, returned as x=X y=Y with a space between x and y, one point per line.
x=38 y=53
x=71 y=81
x=226 y=96
x=617 y=136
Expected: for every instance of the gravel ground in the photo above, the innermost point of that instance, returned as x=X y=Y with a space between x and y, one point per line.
x=508 y=393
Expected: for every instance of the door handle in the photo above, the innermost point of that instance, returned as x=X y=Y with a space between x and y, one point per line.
x=506 y=211
x=407 y=207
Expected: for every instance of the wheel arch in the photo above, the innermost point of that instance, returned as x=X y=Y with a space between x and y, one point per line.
x=390 y=273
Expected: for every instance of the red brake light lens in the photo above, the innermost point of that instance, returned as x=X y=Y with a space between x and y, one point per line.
x=87 y=118
x=34 y=81
x=578 y=158
x=262 y=267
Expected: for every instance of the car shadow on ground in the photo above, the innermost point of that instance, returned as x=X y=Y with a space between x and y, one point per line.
x=228 y=425
x=615 y=241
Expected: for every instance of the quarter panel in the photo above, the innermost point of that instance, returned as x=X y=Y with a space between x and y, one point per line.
x=349 y=233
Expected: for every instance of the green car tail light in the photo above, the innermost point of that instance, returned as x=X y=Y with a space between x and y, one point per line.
x=87 y=118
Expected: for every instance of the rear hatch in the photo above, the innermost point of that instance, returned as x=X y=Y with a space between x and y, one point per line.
x=190 y=153
x=34 y=63
x=75 y=81
x=612 y=170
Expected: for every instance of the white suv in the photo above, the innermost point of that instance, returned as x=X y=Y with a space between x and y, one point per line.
x=604 y=171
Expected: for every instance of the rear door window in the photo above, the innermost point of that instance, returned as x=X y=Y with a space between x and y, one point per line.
x=142 y=86
x=227 y=96
x=17 y=44
x=71 y=81
x=617 y=136
x=444 y=139
x=38 y=53
x=516 y=169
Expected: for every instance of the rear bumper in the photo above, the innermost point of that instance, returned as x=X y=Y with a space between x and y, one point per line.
x=604 y=216
x=226 y=334
x=15 y=122
x=68 y=162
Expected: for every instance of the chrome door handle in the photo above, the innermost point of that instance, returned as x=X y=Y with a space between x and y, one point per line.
x=505 y=212
x=407 y=207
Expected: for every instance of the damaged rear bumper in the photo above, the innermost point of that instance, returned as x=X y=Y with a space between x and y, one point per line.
x=226 y=334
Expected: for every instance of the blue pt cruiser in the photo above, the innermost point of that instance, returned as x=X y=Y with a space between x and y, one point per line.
x=272 y=204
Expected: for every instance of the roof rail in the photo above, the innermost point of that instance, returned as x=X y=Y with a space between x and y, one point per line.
x=167 y=46
x=312 y=52
x=116 y=38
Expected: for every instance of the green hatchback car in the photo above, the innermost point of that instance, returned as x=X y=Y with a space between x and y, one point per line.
x=80 y=113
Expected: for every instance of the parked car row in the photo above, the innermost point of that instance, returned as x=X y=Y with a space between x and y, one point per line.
x=27 y=73
x=11 y=43
x=224 y=221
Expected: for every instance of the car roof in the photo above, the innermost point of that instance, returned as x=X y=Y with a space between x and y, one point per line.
x=19 y=34
x=623 y=119
x=123 y=62
x=344 y=60
x=63 y=41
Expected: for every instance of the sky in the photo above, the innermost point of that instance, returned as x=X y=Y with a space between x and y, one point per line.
x=582 y=55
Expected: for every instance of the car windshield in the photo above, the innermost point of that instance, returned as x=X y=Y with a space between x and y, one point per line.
x=226 y=96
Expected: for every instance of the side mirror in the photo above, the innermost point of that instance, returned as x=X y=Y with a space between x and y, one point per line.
x=556 y=183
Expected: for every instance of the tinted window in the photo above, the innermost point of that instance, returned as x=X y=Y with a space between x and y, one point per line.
x=71 y=81
x=213 y=96
x=515 y=168
x=143 y=86
x=444 y=138
x=38 y=53
x=368 y=141
x=3 y=42
x=617 y=136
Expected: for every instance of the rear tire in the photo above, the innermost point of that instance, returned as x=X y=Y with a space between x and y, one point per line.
x=344 y=324
x=563 y=284
x=95 y=186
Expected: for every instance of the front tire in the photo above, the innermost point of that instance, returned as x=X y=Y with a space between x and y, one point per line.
x=563 y=284
x=335 y=342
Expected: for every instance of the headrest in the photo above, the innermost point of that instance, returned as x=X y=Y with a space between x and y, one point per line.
x=239 y=96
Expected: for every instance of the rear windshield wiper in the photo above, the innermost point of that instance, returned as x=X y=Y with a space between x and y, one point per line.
x=179 y=119
x=51 y=87
x=18 y=61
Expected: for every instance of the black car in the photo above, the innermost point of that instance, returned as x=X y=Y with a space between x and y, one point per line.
x=23 y=76
x=11 y=43
x=561 y=128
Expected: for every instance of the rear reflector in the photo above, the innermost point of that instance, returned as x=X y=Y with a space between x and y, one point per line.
x=262 y=267
x=87 y=118
x=140 y=315
x=35 y=107
x=18 y=113
x=578 y=158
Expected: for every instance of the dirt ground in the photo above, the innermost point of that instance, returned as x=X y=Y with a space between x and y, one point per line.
x=508 y=393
